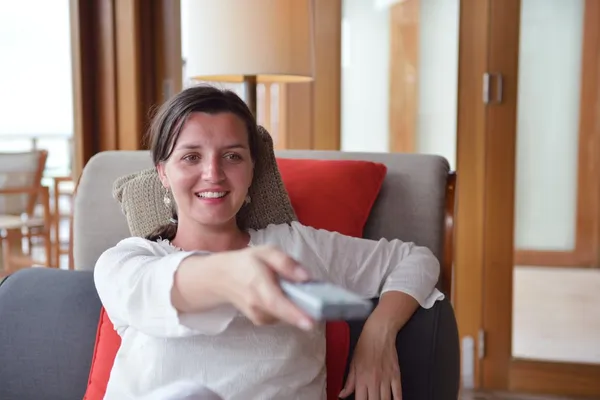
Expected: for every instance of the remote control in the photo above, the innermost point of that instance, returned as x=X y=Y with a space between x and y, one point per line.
x=324 y=301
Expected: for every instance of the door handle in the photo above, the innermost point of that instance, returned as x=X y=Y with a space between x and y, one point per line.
x=487 y=88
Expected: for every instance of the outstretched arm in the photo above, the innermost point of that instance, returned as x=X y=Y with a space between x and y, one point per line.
x=150 y=291
x=187 y=293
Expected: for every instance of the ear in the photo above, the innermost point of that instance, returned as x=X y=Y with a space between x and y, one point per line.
x=160 y=168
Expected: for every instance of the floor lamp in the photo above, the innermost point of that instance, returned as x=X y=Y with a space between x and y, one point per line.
x=248 y=41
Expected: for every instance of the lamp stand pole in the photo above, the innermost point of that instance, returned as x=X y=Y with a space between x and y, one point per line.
x=250 y=92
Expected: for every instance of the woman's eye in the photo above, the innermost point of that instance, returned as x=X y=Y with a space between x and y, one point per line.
x=191 y=158
x=233 y=157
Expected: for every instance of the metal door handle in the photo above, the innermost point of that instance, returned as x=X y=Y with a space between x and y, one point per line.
x=487 y=79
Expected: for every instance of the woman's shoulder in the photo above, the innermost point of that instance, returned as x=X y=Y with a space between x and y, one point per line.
x=274 y=232
x=287 y=232
x=275 y=229
x=157 y=247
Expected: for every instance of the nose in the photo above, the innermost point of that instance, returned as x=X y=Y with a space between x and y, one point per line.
x=212 y=170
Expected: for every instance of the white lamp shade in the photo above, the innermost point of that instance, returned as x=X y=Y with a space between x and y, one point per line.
x=224 y=40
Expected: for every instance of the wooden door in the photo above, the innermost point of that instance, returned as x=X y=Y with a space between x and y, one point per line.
x=540 y=325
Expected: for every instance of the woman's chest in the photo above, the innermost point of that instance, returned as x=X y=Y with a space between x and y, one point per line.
x=244 y=356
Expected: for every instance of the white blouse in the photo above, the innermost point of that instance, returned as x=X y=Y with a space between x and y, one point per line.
x=221 y=349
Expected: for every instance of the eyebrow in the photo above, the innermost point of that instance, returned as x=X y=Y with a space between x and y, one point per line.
x=193 y=146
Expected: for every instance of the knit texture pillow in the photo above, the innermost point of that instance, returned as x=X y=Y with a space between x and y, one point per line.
x=141 y=196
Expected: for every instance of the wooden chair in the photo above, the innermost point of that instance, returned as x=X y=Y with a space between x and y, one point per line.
x=21 y=190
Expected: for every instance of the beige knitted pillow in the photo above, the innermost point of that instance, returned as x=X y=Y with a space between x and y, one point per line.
x=141 y=196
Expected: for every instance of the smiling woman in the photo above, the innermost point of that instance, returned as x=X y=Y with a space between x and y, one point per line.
x=202 y=288
x=209 y=173
x=204 y=145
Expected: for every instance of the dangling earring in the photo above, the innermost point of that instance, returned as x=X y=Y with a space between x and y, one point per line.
x=167 y=199
x=248 y=199
x=168 y=204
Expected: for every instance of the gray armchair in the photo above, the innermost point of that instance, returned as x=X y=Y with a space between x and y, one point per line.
x=48 y=318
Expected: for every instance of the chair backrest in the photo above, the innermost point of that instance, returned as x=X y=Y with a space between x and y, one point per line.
x=411 y=205
x=21 y=173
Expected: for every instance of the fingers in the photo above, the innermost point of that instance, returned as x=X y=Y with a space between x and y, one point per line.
x=350 y=382
x=364 y=392
x=259 y=317
x=277 y=303
x=266 y=304
x=385 y=391
x=282 y=264
x=373 y=392
x=361 y=393
x=397 y=389
x=264 y=301
x=281 y=307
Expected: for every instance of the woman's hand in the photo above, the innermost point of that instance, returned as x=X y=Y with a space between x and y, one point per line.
x=252 y=285
x=374 y=372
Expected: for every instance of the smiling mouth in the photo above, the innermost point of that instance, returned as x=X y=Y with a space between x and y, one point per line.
x=211 y=195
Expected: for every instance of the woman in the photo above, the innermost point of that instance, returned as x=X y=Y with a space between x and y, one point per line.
x=199 y=301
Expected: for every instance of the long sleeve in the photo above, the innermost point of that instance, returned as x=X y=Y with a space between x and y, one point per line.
x=371 y=268
x=134 y=281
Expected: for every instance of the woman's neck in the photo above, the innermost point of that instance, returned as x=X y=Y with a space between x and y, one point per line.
x=193 y=236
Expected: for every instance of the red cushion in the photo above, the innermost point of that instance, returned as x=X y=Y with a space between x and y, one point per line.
x=337 y=196
x=105 y=351
x=333 y=195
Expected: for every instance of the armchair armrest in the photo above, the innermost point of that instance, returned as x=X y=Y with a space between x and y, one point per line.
x=48 y=323
x=428 y=353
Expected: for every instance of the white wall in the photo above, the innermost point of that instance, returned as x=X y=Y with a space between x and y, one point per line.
x=36 y=95
x=548 y=123
x=365 y=77
x=438 y=78
x=35 y=67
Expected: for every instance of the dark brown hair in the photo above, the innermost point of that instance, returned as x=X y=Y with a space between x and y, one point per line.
x=168 y=122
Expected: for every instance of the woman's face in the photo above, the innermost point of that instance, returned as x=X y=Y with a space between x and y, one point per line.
x=210 y=169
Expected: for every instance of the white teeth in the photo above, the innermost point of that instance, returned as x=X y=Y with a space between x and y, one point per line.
x=212 y=195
